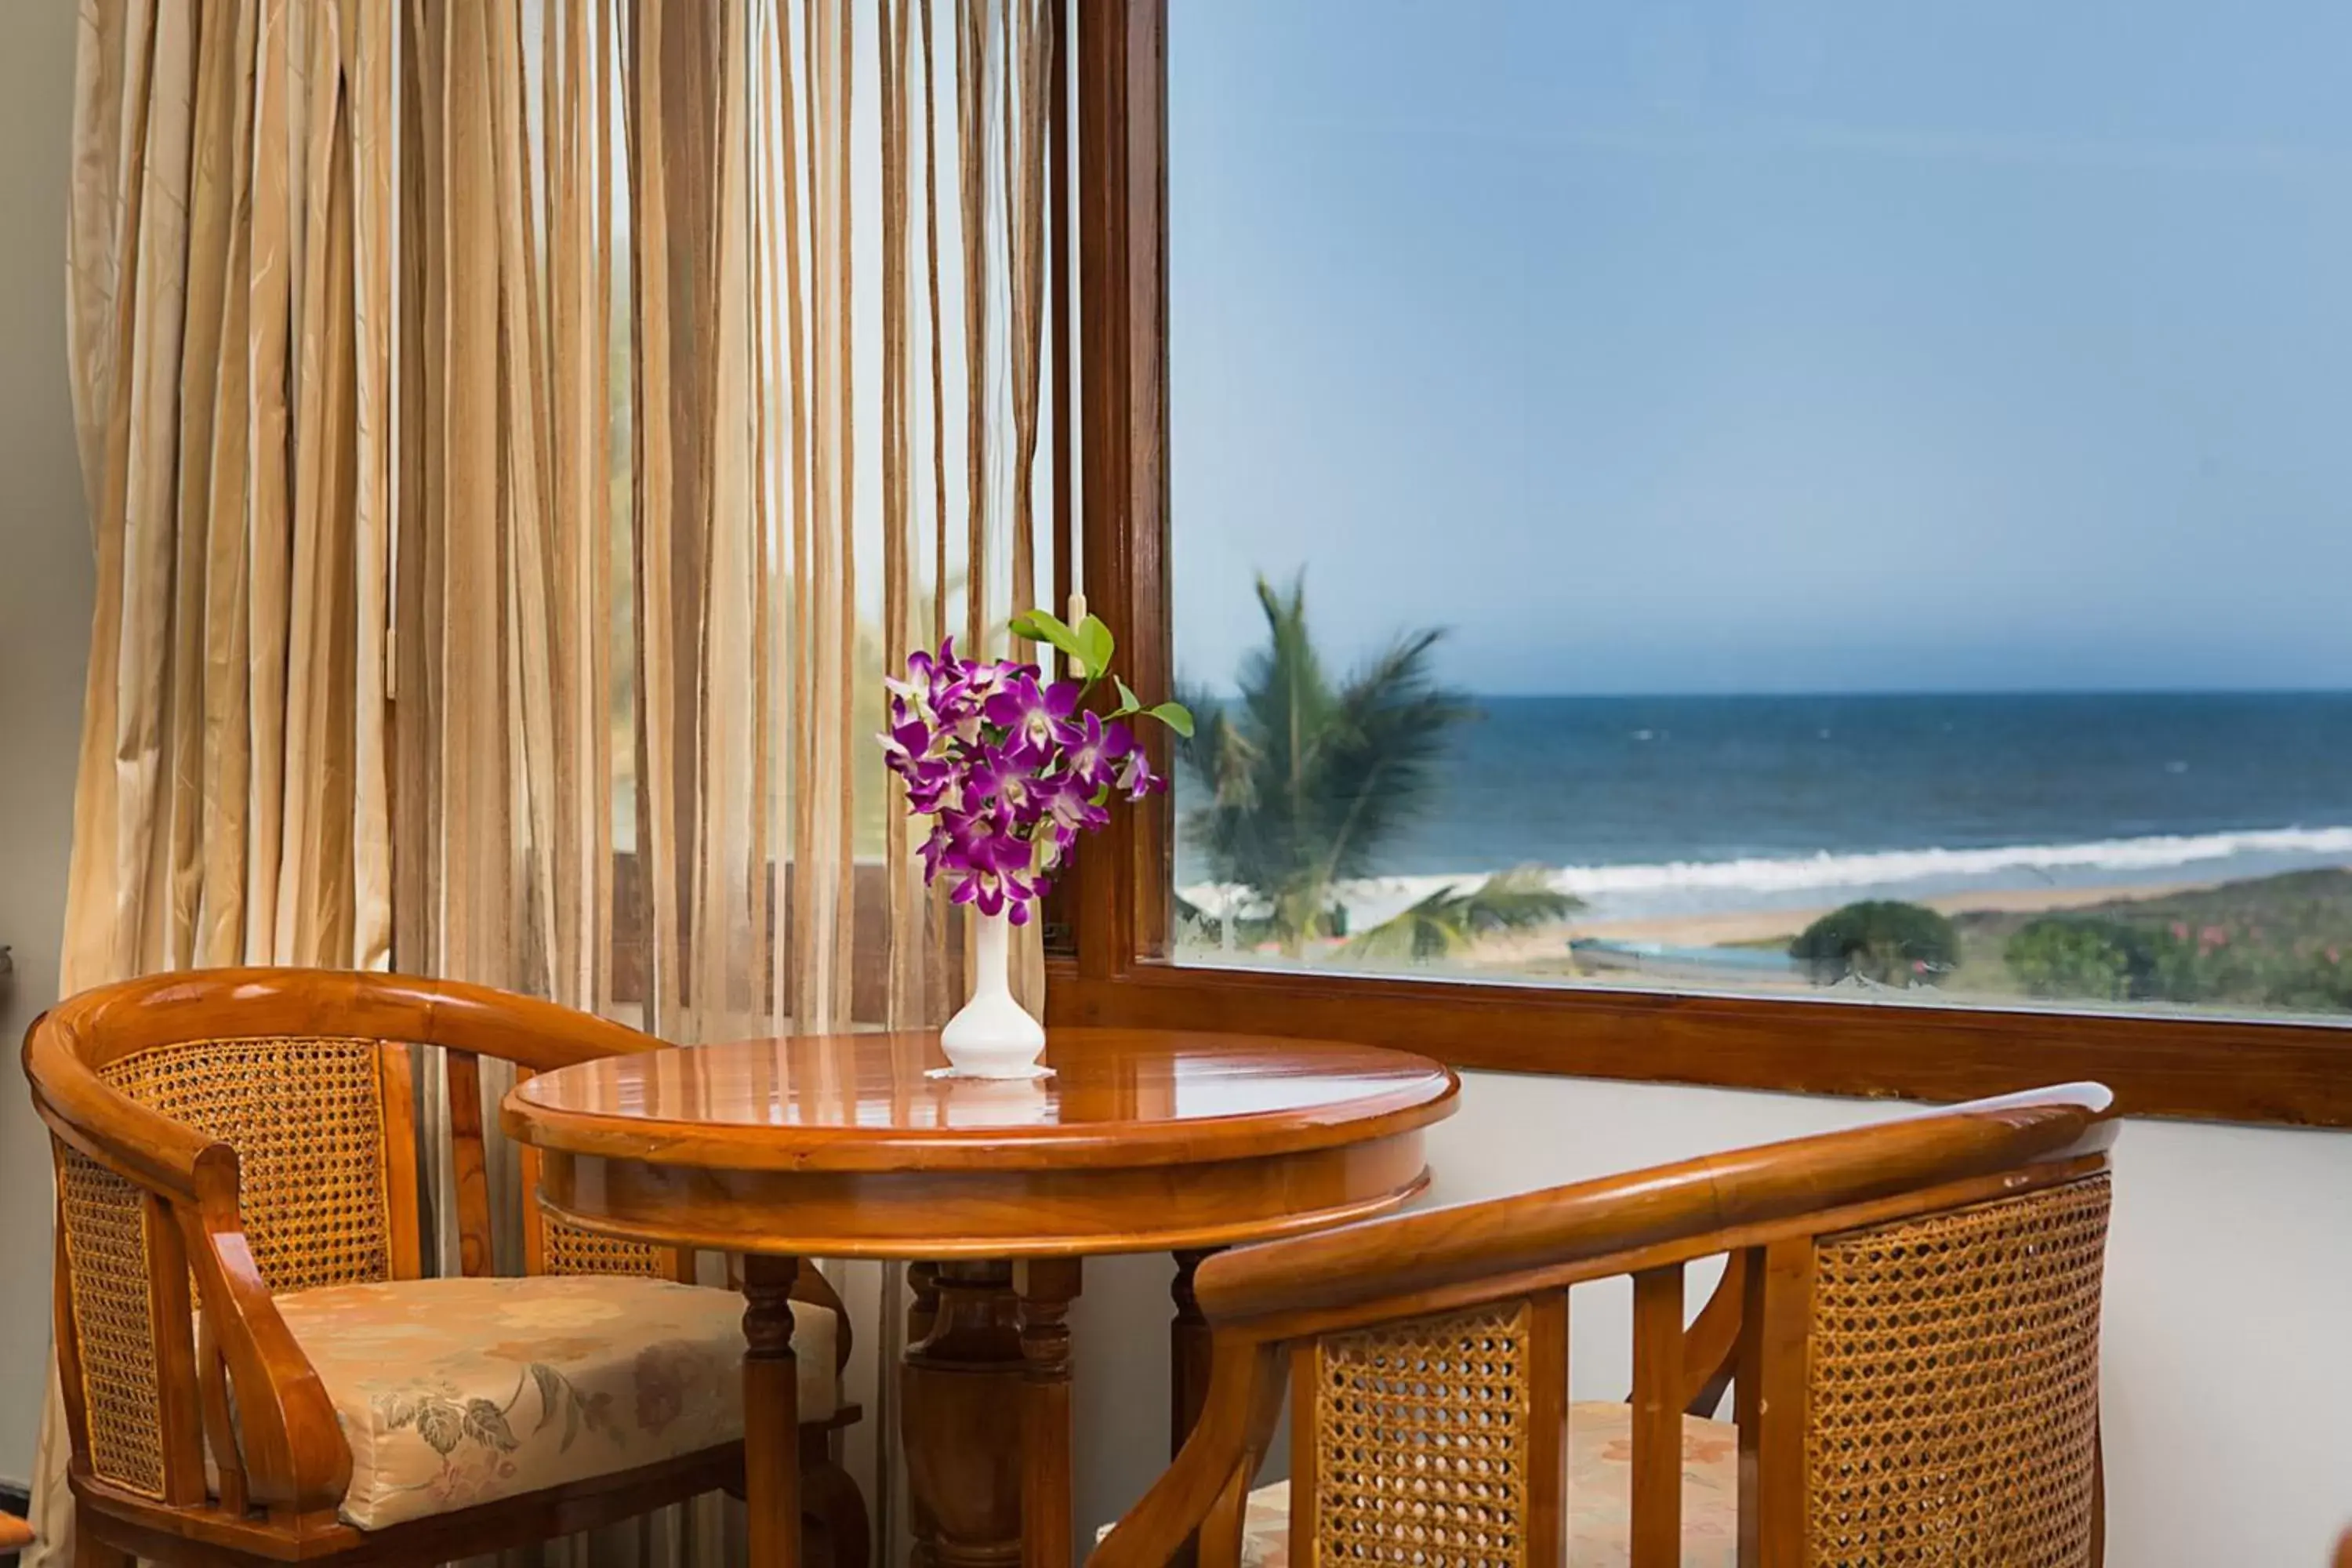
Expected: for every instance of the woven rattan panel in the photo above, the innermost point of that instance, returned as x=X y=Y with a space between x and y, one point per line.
x=1421 y=1442
x=105 y=1260
x=569 y=1250
x=1955 y=1385
x=306 y=1118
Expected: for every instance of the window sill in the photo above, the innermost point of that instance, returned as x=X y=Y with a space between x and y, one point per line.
x=2284 y=1072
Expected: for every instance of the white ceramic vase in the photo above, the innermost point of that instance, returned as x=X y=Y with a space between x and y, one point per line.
x=994 y=1035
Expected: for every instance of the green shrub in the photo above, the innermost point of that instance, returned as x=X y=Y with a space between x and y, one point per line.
x=2105 y=959
x=2320 y=983
x=1882 y=939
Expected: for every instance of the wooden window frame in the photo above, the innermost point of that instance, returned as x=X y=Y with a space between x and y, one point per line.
x=1113 y=966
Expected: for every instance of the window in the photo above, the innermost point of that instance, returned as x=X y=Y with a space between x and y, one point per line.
x=1812 y=502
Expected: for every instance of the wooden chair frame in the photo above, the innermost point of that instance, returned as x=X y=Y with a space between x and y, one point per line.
x=284 y=1466
x=1769 y=1208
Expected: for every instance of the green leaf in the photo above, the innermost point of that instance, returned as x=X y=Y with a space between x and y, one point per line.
x=1095 y=646
x=1175 y=715
x=1042 y=625
x=1128 y=703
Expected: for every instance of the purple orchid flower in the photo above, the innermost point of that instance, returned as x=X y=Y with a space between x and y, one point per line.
x=1095 y=748
x=1009 y=769
x=1035 y=718
x=1066 y=800
x=916 y=697
x=1135 y=775
x=1005 y=775
x=921 y=757
x=975 y=684
x=994 y=867
x=908 y=742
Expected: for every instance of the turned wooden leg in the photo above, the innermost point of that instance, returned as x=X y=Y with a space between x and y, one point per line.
x=771 y=1412
x=960 y=1415
x=1188 y=1369
x=1046 y=1286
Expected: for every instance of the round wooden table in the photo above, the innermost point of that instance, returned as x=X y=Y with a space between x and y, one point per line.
x=843 y=1146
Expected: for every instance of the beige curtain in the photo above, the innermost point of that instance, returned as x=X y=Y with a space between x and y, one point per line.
x=517 y=437
x=228 y=378
x=228 y=358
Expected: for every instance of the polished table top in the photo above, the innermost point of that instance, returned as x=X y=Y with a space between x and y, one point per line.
x=1122 y=1098
x=843 y=1146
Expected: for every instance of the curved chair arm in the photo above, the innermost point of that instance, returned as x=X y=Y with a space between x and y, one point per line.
x=1207 y=1487
x=814 y=1288
x=296 y=1457
x=1424 y=1254
x=540 y=1035
x=144 y=1147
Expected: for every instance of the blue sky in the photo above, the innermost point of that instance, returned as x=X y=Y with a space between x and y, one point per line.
x=1800 y=345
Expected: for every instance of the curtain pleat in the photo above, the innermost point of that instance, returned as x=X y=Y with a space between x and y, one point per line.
x=517 y=440
x=229 y=355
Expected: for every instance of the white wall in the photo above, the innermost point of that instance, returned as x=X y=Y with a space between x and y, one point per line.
x=45 y=593
x=2228 y=1339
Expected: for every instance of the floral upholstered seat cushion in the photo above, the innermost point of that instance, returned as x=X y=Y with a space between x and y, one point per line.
x=1600 y=1494
x=457 y=1391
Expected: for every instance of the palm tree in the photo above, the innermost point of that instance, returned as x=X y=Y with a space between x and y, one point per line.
x=1309 y=779
x=1450 y=921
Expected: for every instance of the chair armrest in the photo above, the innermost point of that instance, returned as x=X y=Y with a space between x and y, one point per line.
x=145 y=1148
x=814 y=1288
x=533 y=1034
x=296 y=1456
x=1207 y=1487
x=1690 y=1207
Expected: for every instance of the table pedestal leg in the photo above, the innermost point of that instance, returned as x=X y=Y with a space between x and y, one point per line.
x=1188 y=1354
x=771 y=1412
x=1046 y=1288
x=922 y=1316
x=1188 y=1368
x=960 y=1410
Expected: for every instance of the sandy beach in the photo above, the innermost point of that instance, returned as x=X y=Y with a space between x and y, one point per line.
x=1717 y=930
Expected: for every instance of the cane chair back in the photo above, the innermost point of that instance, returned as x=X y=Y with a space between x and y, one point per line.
x=1907 y=1323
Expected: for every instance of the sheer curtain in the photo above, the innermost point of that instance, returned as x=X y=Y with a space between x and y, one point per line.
x=720 y=339
x=518 y=436
x=229 y=367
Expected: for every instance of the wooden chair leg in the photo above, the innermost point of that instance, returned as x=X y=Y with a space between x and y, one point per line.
x=831 y=1502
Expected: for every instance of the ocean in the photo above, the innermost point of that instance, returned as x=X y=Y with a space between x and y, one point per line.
x=1663 y=805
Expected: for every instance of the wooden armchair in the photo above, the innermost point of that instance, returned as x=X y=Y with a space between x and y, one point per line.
x=1908 y=1325
x=256 y=1368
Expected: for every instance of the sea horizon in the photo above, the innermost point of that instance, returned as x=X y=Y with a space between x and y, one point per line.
x=1674 y=804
